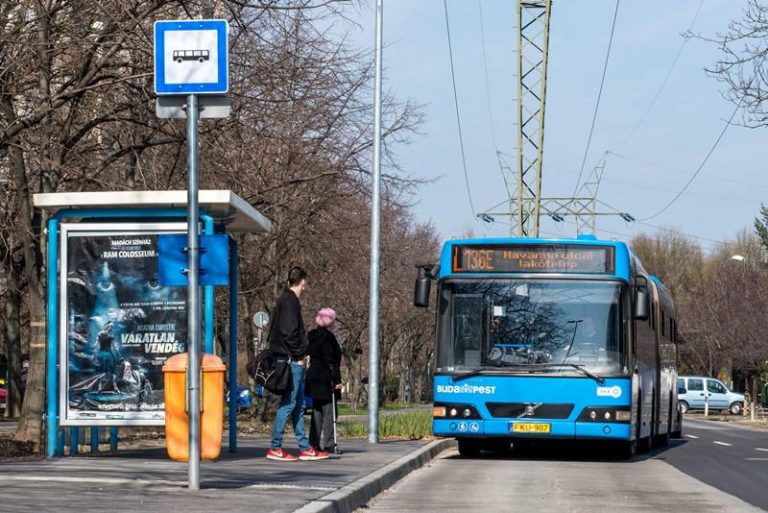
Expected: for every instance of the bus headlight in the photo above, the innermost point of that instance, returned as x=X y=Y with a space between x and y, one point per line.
x=605 y=414
x=453 y=411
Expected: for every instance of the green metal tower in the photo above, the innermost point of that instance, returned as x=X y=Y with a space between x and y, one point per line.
x=523 y=181
x=533 y=49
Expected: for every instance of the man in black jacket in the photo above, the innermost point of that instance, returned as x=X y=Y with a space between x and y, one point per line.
x=288 y=341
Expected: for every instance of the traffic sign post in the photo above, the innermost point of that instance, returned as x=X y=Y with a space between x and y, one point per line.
x=191 y=59
x=261 y=319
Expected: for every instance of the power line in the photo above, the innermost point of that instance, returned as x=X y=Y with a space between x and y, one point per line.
x=678 y=170
x=698 y=170
x=663 y=82
x=661 y=189
x=487 y=86
x=662 y=228
x=599 y=96
x=458 y=115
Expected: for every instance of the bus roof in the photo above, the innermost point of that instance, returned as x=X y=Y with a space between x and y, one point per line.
x=622 y=256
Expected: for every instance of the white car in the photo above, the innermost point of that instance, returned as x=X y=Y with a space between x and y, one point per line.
x=693 y=391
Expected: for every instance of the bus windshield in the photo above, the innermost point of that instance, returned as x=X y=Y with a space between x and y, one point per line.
x=527 y=324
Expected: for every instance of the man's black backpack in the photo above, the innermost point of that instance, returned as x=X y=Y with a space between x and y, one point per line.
x=267 y=371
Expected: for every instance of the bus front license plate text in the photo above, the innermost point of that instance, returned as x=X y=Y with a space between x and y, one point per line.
x=530 y=427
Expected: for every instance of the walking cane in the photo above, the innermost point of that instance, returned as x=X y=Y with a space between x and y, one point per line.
x=336 y=449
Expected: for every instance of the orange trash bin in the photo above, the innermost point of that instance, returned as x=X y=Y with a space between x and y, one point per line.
x=212 y=403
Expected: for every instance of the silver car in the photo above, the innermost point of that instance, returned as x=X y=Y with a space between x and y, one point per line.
x=693 y=391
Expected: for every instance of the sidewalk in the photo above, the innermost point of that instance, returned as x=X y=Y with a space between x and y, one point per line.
x=145 y=481
x=761 y=424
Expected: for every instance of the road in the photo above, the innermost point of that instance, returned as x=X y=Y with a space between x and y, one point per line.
x=731 y=458
x=716 y=468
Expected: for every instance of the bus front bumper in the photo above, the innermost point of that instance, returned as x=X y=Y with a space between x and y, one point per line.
x=541 y=428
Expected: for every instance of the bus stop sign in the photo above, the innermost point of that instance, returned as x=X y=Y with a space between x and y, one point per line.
x=191 y=57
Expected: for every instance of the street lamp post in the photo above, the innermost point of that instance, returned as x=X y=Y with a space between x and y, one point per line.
x=743 y=260
x=373 y=313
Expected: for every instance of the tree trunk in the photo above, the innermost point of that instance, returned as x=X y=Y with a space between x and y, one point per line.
x=13 y=347
x=30 y=424
x=753 y=409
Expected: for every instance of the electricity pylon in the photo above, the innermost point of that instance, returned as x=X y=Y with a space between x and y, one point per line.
x=583 y=208
x=526 y=206
x=533 y=50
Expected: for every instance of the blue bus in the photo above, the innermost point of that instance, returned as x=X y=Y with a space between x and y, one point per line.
x=551 y=339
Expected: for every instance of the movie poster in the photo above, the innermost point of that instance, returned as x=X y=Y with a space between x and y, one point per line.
x=121 y=326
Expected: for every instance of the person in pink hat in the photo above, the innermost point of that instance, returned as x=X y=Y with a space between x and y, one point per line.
x=323 y=379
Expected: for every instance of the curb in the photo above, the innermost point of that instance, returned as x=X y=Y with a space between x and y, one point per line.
x=356 y=494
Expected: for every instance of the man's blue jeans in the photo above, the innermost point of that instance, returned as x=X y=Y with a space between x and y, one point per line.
x=292 y=407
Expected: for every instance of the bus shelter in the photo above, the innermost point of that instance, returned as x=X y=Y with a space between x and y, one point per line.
x=115 y=316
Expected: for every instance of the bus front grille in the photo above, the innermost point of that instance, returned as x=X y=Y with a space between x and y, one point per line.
x=530 y=410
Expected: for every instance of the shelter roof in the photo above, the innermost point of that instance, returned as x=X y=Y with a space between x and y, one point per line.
x=224 y=206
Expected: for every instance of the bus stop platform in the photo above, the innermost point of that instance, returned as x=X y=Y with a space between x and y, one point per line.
x=146 y=481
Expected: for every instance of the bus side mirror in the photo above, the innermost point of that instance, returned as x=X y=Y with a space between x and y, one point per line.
x=642 y=304
x=427 y=273
x=421 y=290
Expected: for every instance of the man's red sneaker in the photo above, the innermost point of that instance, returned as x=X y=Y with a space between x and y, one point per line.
x=312 y=454
x=280 y=455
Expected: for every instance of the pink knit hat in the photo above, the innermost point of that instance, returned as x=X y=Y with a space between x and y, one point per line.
x=325 y=317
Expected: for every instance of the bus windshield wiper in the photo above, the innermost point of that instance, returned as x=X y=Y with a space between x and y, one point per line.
x=464 y=375
x=584 y=371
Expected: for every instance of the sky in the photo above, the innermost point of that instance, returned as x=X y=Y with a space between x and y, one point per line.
x=649 y=163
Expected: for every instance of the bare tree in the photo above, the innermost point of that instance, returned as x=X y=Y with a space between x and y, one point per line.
x=76 y=114
x=742 y=68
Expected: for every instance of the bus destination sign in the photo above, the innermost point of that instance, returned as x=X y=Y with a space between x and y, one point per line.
x=533 y=258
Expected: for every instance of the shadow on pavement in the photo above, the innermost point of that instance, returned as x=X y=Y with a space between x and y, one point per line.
x=561 y=450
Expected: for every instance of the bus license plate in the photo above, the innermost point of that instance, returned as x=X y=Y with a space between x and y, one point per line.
x=530 y=427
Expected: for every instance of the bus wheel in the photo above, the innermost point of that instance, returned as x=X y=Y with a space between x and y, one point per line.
x=468 y=447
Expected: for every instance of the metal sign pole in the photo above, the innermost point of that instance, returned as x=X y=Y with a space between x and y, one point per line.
x=373 y=314
x=193 y=296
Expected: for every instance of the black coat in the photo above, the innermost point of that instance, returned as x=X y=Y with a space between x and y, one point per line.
x=287 y=335
x=324 y=365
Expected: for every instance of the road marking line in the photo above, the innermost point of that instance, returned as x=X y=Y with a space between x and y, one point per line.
x=691 y=436
x=761 y=449
x=293 y=487
x=756 y=459
x=722 y=443
x=156 y=482
x=97 y=480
